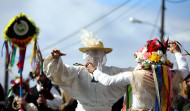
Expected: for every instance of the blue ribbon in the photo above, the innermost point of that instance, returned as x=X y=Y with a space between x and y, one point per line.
x=20 y=71
x=159 y=79
x=156 y=105
x=2 y=49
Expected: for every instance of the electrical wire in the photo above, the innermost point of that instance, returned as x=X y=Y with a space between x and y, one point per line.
x=123 y=13
x=176 y=1
x=90 y=24
x=156 y=21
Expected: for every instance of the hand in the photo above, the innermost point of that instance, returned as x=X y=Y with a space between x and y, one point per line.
x=22 y=101
x=90 y=67
x=173 y=47
x=56 y=54
x=41 y=100
x=46 y=94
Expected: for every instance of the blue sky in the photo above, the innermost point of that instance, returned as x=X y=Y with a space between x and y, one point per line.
x=57 y=19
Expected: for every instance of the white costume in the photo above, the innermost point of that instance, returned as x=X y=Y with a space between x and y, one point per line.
x=143 y=87
x=76 y=81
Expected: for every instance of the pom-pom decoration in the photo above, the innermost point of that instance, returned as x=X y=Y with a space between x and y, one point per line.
x=20 y=30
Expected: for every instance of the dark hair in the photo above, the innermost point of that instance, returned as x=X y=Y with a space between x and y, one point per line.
x=16 y=88
x=187 y=77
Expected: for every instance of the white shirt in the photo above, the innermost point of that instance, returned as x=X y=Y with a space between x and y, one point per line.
x=76 y=81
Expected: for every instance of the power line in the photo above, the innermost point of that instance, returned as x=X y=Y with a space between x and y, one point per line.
x=176 y=1
x=92 y=23
x=185 y=30
x=123 y=14
x=77 y=42
x=78 y=30
x=156 y=20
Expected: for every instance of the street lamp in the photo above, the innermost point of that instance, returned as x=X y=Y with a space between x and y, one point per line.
x=133 y=20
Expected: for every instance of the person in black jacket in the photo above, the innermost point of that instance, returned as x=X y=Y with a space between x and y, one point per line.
x=47 y=96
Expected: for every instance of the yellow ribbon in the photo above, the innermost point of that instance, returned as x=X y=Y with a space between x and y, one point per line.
x=166 y=83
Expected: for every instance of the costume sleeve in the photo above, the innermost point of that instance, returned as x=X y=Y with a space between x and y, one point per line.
x=115 y=70
x=57 y=101
x=182 y=65
x=121 y=79
x=61 y=74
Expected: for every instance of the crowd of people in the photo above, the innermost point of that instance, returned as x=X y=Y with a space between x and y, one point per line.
x=152 y=85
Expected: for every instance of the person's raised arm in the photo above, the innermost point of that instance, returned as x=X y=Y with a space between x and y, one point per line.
x=181 y=61
x=57 y=71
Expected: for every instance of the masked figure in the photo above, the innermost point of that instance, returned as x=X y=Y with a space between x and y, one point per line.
x=79 y=83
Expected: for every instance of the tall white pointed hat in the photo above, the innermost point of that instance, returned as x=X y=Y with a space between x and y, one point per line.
x=91 y=42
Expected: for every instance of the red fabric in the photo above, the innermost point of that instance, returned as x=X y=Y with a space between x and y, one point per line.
x=153 y=46
x=22 y=52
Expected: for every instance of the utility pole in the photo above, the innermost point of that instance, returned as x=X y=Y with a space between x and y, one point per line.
x=6 y=75
x=162 y=22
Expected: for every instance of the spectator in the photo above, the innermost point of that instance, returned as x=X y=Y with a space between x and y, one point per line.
x=181 y=95
x=47 y=96
x=69 y=104
x=13 y=102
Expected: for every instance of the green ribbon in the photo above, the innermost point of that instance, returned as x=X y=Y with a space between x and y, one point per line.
x=13 y=56
x=128 y=97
